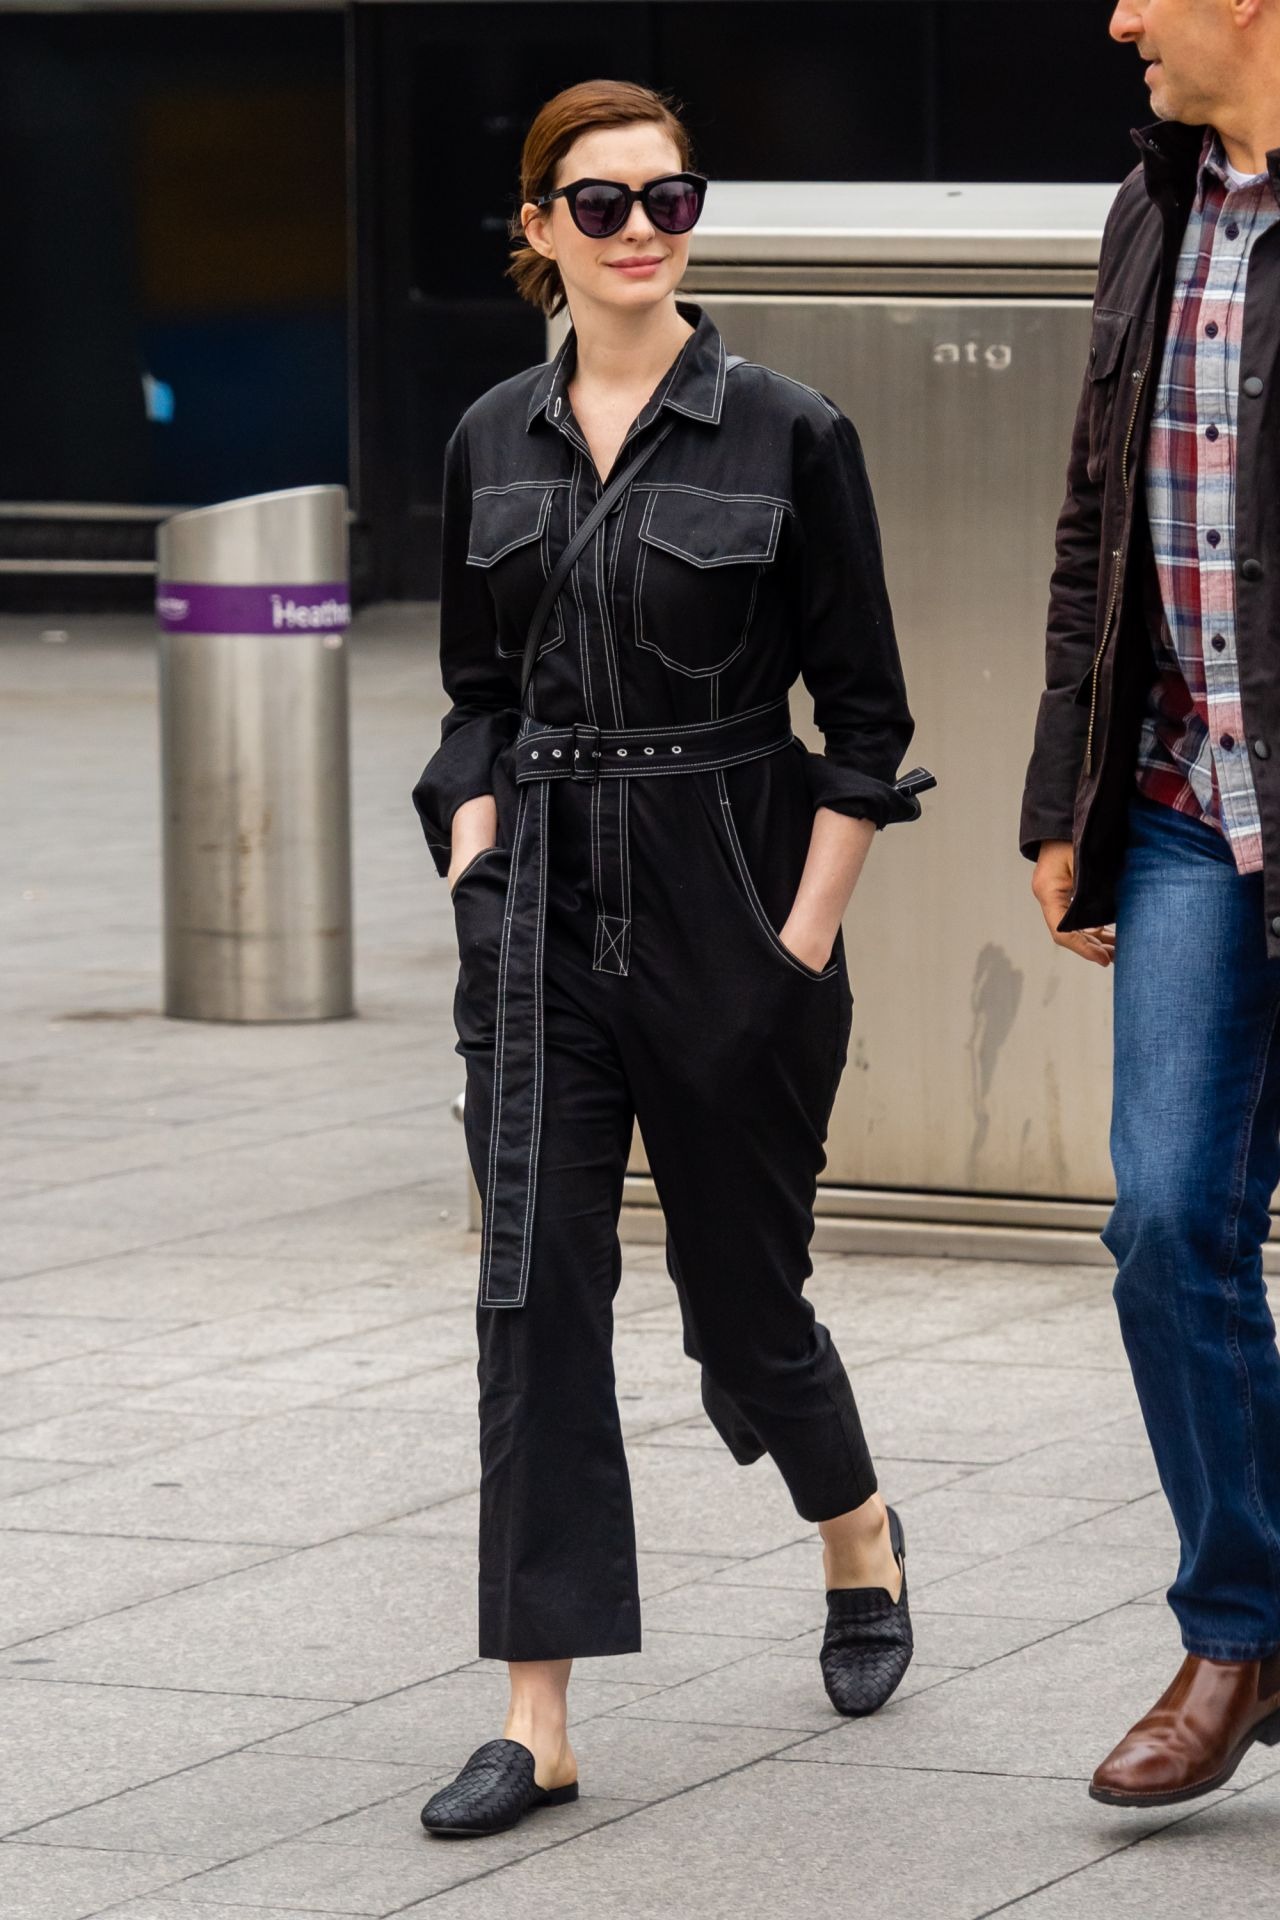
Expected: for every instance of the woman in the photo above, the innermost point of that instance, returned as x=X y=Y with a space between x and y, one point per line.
x=656 y=949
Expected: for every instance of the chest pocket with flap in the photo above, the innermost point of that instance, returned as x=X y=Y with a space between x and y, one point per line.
x=510 y=537
x=698 y=570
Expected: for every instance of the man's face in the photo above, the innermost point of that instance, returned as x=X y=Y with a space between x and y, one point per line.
x=1191 y=50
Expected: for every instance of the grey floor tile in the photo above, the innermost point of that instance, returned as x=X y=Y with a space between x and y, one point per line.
x=776 y=1613
x=32 y=1340
x=286 y=1479
x=768 y=1689
x=1093 y=1469
x=52 y=1580
x=1053 y=1709
x=1081 y=1334
x=393 y=1824
x=800 y=1565
x=21 y=1476
x=972 y=1640
x=71 y=1883
x=63 y=1747
x=666 y=1658
x=104 y=1435
x=683 y=1498
x=171 y=1906
x=957 y=1520
x=1223 y=1860
x=662 y=1573
x=344 y=1621
x=807 y=1835
x=1066 y=1575
x=983 y=1412
x=228 y=1806
x=438 y=1724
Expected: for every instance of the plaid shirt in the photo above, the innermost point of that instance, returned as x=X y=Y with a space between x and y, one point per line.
x=1192 y=753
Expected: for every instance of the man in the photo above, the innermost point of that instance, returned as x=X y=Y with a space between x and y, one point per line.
x=1153 y=801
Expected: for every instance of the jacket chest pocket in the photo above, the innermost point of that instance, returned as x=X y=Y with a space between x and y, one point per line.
x=700 y=560
x=510 y=538
x=1106 y=355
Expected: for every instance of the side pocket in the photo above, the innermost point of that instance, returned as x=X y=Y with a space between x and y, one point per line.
x=479 y=903
x=747 y=888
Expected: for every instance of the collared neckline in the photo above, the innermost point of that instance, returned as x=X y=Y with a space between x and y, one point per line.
x=694 y=384
x=1213 y=165
x=1174 y=153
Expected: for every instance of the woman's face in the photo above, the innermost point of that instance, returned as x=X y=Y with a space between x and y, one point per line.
x=636 y=267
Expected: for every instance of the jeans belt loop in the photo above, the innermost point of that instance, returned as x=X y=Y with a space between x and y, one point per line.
x=584 y=744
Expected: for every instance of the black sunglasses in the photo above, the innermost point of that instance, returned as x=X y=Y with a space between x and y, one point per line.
x=601 y=207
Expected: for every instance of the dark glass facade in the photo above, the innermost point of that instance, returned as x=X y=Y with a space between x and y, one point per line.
x=251 y=248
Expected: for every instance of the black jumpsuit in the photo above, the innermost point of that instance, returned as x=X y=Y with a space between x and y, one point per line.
x=620 y=960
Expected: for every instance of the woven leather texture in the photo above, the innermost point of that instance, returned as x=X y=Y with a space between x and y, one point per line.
x=492 y=1792
x=868 y=1643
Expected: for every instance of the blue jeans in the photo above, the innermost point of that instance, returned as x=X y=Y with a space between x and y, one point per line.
x=1195 y=1140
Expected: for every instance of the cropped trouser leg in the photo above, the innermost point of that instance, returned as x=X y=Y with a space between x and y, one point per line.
x=557 y=1539
x=733 y=1106
x=738 y=1203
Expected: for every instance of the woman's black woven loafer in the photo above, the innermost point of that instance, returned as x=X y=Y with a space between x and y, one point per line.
x=495 y=1789
x=868 y=1644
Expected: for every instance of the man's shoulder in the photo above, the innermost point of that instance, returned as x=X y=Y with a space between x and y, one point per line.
x=1132 y=210
x=1130 y=248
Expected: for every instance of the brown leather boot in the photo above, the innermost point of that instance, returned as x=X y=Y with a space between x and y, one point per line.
x=1196 y=1734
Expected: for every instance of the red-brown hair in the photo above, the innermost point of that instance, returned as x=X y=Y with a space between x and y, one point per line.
x=590 y=105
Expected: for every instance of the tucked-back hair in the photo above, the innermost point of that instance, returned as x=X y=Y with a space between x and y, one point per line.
x=582 y=109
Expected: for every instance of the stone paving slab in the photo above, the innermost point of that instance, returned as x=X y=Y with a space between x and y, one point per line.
x=50 y=1580
x=344 y=1621
x=1222 y=1860
x=228 y=1806
x=237 y=1463
x=65 y=1747
x=916 y=1845
x=71 y=1883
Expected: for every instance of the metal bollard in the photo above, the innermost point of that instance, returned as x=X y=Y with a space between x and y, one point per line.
x=252 y=605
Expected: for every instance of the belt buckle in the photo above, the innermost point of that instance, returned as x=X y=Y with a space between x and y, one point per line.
x=584 y=744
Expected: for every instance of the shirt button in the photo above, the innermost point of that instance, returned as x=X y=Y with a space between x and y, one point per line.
x=1217 y=643
x=1251 y=569
x=1233 y=231
x=1262 y=750
x=1211 y=433
x=1252 y=386
x=1213 y=536
x=1212 y=329
x=1227 y=742
x=1275 y=923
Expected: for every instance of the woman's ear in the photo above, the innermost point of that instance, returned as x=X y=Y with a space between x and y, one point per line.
x=534 y=221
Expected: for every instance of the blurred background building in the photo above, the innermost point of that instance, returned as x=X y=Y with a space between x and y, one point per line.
x=254 y=245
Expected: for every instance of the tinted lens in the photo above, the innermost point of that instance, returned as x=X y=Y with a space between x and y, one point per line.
x=673 y=205
x=600 y=210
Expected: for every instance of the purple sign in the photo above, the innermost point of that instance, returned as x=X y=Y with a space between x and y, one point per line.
x=192 y=607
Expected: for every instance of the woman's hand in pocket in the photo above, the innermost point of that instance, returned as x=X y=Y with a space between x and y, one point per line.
x=474 y=831
x=808 y=940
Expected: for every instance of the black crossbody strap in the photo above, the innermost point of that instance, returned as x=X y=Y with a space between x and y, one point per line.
x=560 y=572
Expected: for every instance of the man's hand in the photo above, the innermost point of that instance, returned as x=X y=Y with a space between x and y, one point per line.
x=1053 y=883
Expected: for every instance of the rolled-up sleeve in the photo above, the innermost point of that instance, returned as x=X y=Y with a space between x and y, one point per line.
x=483 y=687
x=848 y=650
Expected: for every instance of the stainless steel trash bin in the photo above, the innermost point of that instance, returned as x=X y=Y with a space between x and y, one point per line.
x=253 y=605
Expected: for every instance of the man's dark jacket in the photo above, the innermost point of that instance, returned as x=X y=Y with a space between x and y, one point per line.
x=1104 y=604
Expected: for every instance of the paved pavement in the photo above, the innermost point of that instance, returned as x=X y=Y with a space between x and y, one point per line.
x=237 y=1464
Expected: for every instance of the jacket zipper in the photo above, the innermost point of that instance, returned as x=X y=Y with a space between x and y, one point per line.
x=1139 y=380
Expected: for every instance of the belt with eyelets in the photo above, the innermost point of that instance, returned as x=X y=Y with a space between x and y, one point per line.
x=604 y=753
x=600 y=756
